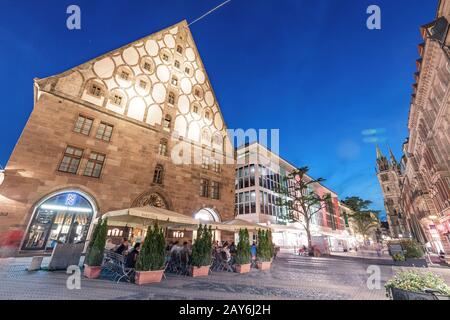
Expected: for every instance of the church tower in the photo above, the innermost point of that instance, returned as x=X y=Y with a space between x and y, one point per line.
x=390 y=178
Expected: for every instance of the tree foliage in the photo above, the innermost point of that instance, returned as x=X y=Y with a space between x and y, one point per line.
x=243 y=255
x=202 y=248
x=363 y=219
x=265 y=249
x=152 y=255
x=301 y=201
x=96 y=248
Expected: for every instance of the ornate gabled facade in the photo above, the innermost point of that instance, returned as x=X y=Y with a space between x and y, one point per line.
x=426 y=191
x=425 y=176
x=137 y=126
x=390 y=178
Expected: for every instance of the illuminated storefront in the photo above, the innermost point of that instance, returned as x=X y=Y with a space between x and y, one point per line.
x=60 y=218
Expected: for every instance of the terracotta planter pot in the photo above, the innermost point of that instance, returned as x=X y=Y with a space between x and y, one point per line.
x=243 y=268
x=200 y=272
x=146 y=277
x=265 y=265
x=92 y=272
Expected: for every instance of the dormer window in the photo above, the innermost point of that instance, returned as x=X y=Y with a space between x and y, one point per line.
x=187 y=70
x=177 y=64
x=124 y=75
x=95 y=90
x=147 y=66
x=180 y=50
x=171 y=98
x=117 y=100
x=143 y=84
x=195 y=109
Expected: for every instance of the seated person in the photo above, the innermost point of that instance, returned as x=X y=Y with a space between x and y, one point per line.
x=123 y=247
x=130 y=261
x=226 y=250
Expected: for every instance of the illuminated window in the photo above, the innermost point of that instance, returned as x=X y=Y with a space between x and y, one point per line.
x=71 y=160
x=63 y=218
x=83 y=125
x=94 y=165
x=205 y=162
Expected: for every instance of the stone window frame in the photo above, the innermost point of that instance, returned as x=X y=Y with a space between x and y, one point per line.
x=177 y=64
x=71 y=154
x=163 y=147
x=204 y=188
x=167 y=122
x=80 y=128
x=158 y=174
x=96 y=89
x=215 y=190
x=171 y=98
x=94 y=165
x=117 y=99
x=104 y=136
x=179 y=49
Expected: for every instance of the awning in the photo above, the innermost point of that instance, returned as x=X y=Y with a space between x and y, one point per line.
x=145 y=216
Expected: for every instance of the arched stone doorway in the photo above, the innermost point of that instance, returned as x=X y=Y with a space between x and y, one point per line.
x=207 y=215
x=63 y=217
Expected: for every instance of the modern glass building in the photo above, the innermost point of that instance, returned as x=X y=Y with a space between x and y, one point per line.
x=260 y=179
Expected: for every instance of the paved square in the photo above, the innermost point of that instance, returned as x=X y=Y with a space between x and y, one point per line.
x=291 y=277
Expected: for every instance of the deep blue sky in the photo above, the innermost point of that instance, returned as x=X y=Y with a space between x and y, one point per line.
x=310 y=68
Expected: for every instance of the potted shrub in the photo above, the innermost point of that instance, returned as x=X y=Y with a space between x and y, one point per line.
x=264 y=251
x=413 y=254
x=243 y=255
x=94 y=255
x=411 y=285
x=201 y=252
x=150 y=263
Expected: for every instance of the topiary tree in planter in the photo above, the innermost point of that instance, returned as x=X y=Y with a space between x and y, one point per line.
x=96 y=248
x=264 y=250
x=201 y=252
x=243 y=254
x=150 y=263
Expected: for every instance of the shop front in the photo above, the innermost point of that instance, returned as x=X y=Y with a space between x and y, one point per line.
x=63 y=217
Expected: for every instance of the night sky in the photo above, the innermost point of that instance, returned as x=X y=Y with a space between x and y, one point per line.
x=309 y=68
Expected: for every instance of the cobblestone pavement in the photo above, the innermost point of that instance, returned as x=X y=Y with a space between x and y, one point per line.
x=291 y=277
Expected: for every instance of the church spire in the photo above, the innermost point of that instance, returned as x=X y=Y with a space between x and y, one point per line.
x=379 y=153
x=393 y=160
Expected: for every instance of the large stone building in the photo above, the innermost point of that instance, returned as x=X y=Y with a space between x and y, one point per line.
x=260 y=175
x=390 y=178
x=135 y=127
x=425 y=184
